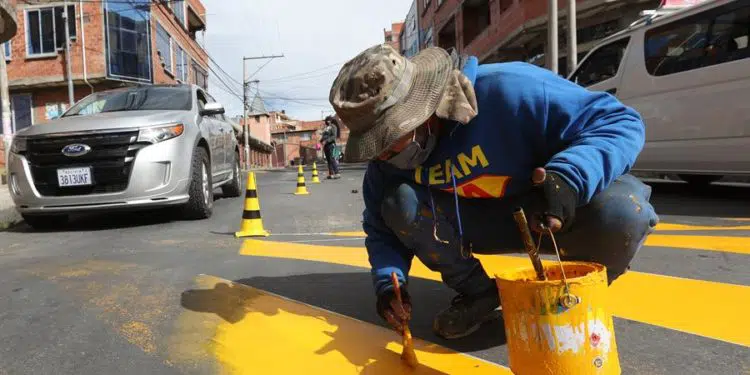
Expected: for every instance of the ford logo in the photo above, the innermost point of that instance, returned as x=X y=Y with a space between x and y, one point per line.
x=76 y=149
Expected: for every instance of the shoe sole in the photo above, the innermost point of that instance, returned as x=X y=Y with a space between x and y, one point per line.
x=495 y=314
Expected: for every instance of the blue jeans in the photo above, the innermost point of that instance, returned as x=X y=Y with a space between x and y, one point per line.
x=609 y=230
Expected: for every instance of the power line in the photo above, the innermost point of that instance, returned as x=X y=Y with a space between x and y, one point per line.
x=302 y=74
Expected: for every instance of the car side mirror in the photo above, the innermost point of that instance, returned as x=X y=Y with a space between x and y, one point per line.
x=211 y=109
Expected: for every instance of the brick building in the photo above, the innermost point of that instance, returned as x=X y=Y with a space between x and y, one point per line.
x=516 y=30
x=126 y=43
x=393 y=35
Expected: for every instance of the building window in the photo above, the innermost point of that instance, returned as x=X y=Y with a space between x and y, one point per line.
x=200 y=76
x=181 y=65
x=128 y=39
x=476 y=16
x=713 y=37
x=602 y=64
x=46 y=29
x=164 y=47
x=305 y=137
x=178 y=7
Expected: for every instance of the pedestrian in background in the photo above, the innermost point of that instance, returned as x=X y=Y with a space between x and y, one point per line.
x=328 y=140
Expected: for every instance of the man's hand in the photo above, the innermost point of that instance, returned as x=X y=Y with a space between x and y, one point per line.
x=554 y=202
x=392 y=311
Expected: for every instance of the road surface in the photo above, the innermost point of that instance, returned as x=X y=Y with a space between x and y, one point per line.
x=140 y=293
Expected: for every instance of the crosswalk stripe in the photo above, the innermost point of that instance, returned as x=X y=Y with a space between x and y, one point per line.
x=686 y=227
x=740 y=245
x=270 y=334
x=710 y=309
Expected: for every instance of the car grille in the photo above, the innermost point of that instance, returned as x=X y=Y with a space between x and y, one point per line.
x=111 y=161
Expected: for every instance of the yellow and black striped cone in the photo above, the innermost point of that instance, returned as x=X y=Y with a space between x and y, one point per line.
x=252 y=225
x=315 y=179
x=301 y=188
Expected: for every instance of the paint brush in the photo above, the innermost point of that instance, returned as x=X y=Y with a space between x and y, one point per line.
x=408 y=355
x=528 y=243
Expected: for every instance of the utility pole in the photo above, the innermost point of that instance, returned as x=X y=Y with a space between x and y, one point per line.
x=572 y=37
x=66 y=19
x=246 y=127
x=552 y=45
x=5 y=107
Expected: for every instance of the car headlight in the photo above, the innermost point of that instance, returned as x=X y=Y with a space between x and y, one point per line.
x=18 y=145
x=160 y=133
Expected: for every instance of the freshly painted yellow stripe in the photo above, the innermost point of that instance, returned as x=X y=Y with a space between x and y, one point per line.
x=263 y=333
x=681 y=227
x=740 y=245
x=704 y=308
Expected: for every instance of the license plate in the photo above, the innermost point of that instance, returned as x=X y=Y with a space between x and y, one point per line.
x=67 y=177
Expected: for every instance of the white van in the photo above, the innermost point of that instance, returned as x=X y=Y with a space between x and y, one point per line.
x=688 y=74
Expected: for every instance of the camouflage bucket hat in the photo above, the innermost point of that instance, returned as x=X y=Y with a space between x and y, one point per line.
x=381 y=96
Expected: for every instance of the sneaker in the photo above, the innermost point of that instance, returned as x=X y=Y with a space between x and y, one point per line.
x=466 y=314
x=336 y=176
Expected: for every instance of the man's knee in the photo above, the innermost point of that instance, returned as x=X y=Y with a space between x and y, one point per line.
x=613 y=226
x=400 y=207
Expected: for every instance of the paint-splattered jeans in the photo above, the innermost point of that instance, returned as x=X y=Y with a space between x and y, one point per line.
x=609 y=230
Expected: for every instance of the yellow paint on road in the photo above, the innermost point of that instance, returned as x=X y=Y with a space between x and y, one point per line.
x=740 y=245
x=262 y=333
x=710 y=309
x=685 y=227
x=736 y=244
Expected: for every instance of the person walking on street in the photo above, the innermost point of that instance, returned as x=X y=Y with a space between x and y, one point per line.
x=328 y=139
x=454 y=147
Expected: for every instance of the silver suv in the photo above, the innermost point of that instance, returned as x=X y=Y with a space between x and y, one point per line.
x=137 y=147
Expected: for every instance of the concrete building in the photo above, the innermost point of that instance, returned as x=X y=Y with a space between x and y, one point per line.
x=516 y=30
x=409 y=38
x=259 y=124
x=392 y=36
x=114 y=43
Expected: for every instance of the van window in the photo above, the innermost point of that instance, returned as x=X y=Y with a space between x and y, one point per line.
x=713 y=37
x=602 y=64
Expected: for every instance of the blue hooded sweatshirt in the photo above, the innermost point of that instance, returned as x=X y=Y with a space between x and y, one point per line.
x=528 y=117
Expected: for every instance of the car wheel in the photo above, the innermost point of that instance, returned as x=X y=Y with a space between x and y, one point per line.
x=233 y=188
x=201 y=202
x=45 y=222
x=699 y=180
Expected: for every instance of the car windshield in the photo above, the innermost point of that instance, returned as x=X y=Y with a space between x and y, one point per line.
x=136 y=99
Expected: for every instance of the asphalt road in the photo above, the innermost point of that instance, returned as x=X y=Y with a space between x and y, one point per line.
x=121 y=294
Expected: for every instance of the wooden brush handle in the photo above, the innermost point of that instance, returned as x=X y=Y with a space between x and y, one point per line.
x=396 y=287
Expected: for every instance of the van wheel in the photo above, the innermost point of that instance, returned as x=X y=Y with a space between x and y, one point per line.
x=699 y=180
x=201 y=202
x=233 y=188
x=45 y=222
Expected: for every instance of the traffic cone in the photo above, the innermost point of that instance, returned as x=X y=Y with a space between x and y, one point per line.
x=252 y=225
x=315 y=179
x=301 y=188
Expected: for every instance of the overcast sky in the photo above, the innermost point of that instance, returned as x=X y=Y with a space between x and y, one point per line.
x=315 y=36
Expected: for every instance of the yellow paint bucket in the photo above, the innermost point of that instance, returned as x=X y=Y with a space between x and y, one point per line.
x=554 y=329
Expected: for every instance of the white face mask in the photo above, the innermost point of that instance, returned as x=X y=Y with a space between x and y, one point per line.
x=414 y=155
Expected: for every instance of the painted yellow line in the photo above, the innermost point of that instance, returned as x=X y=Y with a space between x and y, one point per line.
x=740 y=245
x=710 y=309
x=685 y=227
x=262 y=333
